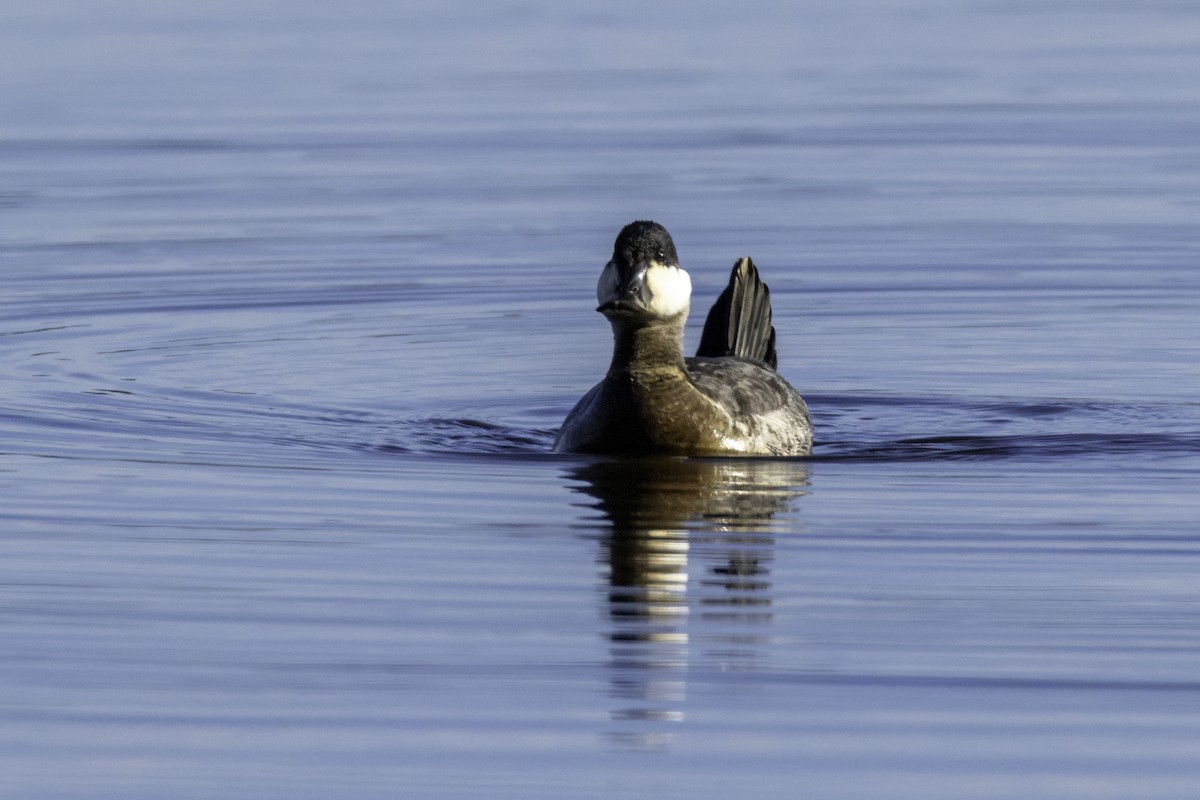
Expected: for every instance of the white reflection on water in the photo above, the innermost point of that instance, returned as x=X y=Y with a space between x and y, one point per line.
x=688 y=546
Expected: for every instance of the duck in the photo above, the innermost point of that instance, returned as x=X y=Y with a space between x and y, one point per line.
x=727 y=400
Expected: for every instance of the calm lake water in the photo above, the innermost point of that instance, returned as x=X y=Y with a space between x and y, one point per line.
x=295 y=298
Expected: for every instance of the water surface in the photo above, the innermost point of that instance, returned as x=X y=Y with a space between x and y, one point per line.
x=295 y=299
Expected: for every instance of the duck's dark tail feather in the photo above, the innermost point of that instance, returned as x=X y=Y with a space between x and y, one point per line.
x=739 y=323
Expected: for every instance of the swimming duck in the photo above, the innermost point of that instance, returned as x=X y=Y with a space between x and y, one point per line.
x=727 y=400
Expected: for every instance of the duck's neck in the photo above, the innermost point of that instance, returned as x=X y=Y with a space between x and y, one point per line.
x=651 y=348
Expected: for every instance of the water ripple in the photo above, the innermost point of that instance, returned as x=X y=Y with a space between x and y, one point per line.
x=850 y=427
x=1034 y=447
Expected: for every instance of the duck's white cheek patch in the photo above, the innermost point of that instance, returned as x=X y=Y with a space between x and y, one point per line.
x=606 y=287
x=670 y=290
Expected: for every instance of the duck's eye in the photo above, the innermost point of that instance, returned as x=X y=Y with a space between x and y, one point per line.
x=660 y=255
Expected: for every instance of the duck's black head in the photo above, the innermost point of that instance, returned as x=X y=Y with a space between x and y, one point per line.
x=645 y=241
x=643 y=279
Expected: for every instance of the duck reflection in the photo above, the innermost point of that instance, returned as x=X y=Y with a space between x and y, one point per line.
x=687 y=544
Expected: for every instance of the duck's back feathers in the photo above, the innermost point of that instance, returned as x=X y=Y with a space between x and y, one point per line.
x=739 y=323
x=740 y=386
x=766 y=414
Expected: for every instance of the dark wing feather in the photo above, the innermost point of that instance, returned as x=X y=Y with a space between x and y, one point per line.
x=739 y=323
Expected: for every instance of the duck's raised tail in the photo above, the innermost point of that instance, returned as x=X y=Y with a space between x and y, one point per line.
x=739 y=323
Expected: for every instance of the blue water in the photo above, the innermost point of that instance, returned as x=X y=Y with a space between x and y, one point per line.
x=294 y=300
